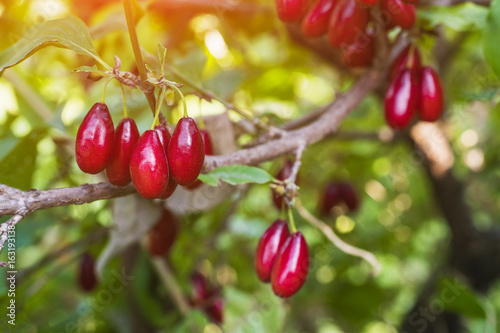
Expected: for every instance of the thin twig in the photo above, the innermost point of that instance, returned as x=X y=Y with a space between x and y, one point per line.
x=343 y=246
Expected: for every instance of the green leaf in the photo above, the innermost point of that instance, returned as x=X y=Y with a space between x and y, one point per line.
x=463 y=17
x=491 y=47
x=457 y=297
x=236 y=174
x=70 y=33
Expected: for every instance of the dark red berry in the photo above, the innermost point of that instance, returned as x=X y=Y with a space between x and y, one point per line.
x=332 y=197
x=207 y=141
x=368 y=3
x=87 y=278
x=400 y=14
x=290 y=10
x=413 y=2
x=186 y=152
x=349 y=196
x=164 y=137
x=348 y=22
x=163 y=234
x=431 y=95
x=401 y=99
x=283 y=174
x=201 y=289
x=291 y=266
x=269 y=244
x=406 y=60
x=215 y=310
x=315 y=23
x=360 y=53
x=126 y=137
x=95 y=139
x=149 y=166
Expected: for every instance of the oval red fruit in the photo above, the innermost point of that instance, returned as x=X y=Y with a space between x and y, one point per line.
x=291 y=266
x=87 y=278
x=209 y=150
x=400 y=14
x=186 y=152
x=95 y=139
x=315 y=23
x=163 y=234
x=164 y=136
x=331 y=198
x=269 y=244
x=215 y=310
x=405 y=60
x=360 y=53
x=149 y=166
x=348 y=22
x=431 y=95
x=349 y=196
x=126 y=136
x=401 y=99
x=290 y=10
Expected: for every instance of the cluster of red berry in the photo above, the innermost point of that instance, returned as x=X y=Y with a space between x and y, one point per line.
x=207 y=298
x=347 y=23
x=156 y=162
x=413 y=89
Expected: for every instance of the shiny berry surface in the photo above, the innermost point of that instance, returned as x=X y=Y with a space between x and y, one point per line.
x=164 y=136
x=290 y=10
x=87 y=278
x=291 y=266
x=283 y=174
x=406 y=60
x=400 y=13
x=359 y=54
x=95 y=140
x=163 y=234
x=431 y=95
x=186 y=152
x=209 y=150
x=315 y=23
x=149 y=167
x=348 y=22
x=126 y=137
x=269 y=244
x=401 y=100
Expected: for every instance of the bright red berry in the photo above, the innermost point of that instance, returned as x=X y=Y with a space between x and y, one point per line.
x=315 y=23
x=87 y=278
x=283 y=174
x=291 y=266
x=164 y=137
x=209 y=150
x=406 y=60
x=290 y=10
x=95 y=140
x=400 y=14
x=267 y=249
x=163 y=234
x=401 y=99
x=360 y=53
x=186 y=152
x=149 y=166
x=348 y=22
x=126 y=136
x=431 y=95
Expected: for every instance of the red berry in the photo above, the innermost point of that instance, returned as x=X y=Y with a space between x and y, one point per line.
x=401 y=99
x=186 y=152
x=87 y=278
x=368 y=3
x=349 y=196
x=291 y=266
x=348 y=22
x=267 y=249
x=201 y=290
x=290 y=10
x=401 y=61
x=215 y=310
x=431 y=95
x=283 y=174
x=315 y=23
x=400 y=14
x=163 y=234
x=95 y=139
x=126 y=136
x=360 y=53
x=149 y=166
x=164 y=137
x=208 y=151
x=332 y=197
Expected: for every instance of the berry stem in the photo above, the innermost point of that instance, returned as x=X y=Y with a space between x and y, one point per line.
x=125 y=113
x=104 y=90
x=283 y=212
x=291 y=221
x=411 y=55
x=182 y=97
x=161 y=96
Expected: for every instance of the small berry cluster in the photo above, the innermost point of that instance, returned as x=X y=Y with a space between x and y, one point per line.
x=156 y=162
x=207 y=298
x=347 y=23
x=413 y=90
x=282 y=259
